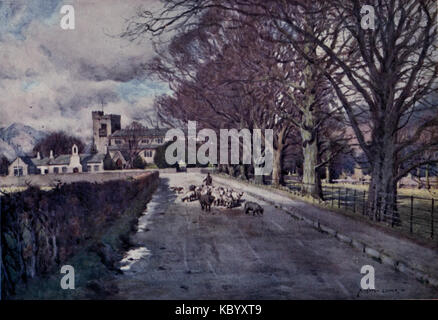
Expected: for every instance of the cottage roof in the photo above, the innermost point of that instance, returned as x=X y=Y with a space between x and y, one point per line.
x=63 y=159
x=92 y=158
x=27 y=160
x=40 y=162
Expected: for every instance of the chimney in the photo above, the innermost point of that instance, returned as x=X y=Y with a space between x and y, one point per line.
x=38 y=156
x=51 y=154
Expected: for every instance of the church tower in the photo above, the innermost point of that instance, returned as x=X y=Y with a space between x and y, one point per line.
x=103 y=126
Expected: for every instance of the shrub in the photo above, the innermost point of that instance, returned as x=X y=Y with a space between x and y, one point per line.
x=108 y=163
x=160 y=156
x=139 y=163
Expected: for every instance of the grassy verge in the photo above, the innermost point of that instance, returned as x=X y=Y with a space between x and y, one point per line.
x=87 y=263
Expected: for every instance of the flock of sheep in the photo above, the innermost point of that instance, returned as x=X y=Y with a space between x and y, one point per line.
x=217 y=196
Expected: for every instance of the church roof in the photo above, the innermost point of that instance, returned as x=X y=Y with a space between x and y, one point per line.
x=146 y=132
x=138 y=149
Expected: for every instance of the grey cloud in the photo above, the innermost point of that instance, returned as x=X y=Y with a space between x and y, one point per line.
x=46 y=51
x=30 y=73
x=121 y=71
x=68 y=74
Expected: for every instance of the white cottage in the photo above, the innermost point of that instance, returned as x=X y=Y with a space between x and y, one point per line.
x=64 y=163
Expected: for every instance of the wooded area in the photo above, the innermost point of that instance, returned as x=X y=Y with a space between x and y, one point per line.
x=328 y=87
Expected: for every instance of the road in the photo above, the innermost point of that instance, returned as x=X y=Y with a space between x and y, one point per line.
x=181 y=252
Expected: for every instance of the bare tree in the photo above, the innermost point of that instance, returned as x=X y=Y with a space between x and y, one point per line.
x=133 y=134
x=384 y=80
x=383 y=77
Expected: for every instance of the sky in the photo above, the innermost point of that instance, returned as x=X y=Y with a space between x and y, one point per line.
x=51 y=79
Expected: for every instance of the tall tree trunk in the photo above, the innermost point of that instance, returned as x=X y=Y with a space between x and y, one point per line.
x=277 y=170
x=382 y=196
x=243 y=171
x=327 y=174
x=258 y=178
x=230 y=169
x=311 y=178
x=309 y=132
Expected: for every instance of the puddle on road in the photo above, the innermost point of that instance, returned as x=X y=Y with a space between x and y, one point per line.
x=158 y=204
x=132 y=256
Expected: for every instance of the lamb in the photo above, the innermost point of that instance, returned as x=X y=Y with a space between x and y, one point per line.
x=237 y=195
x=228 y=200
x=254 y=207
x=177 y=189
x=217 y=197
x=189 y=196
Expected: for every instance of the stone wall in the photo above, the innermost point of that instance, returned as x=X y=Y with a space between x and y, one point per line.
x=41 y=229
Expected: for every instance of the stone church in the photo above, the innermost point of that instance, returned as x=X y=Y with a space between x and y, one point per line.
x=123 y=144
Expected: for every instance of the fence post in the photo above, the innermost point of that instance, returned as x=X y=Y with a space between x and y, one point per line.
x=339 y=197
x=363 y=203
x=354 y=201
x=431 y=218
x=346 y=198
x=333 y=195
x=412 y=214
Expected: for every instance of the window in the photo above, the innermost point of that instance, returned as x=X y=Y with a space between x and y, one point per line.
x=145 y=141
x=56 y=170
x=46 y=171
x=102 y=130
x=64 y=169
x=38 y=171
x=119 y=141
x=89 y=168
x=96 y=168
x=18 y=171
x=148 y=154
x=159 y=140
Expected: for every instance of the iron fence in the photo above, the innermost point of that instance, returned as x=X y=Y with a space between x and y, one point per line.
x=409 y=214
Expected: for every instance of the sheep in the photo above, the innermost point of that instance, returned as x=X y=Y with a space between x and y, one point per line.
x=177 y=189
x=206 y=201
x=217 y=197
x=254 y=207
x=221 y=196
x=189 y=196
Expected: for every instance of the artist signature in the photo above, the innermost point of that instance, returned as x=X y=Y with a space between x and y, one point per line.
x=378 y=291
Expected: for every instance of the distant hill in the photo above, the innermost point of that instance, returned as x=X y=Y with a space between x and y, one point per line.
x=18 y=139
